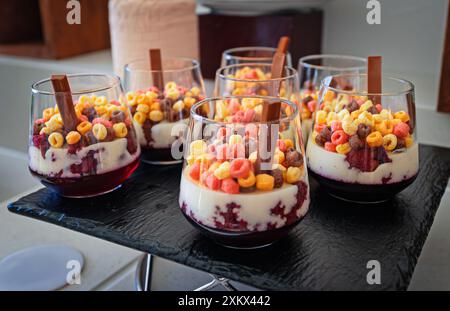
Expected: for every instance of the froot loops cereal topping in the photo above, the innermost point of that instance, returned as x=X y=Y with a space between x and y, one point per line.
x=349 y=125
x=155 y=114
x=95 y=125
x=254 y=81
x=227 y=161
x=171 y=104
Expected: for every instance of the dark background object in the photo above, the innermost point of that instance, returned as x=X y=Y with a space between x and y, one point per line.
x=20 y=21
x=444 y=92
x=328 y=250
x=39 y=28
x=221 y=32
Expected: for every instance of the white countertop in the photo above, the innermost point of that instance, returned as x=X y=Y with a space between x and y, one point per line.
x=104 y=261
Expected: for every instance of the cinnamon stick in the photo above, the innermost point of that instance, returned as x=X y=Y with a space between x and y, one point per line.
x=283 y=44
x=271 y=111
x=63 y=97
x=156 y=68
x=374 y=77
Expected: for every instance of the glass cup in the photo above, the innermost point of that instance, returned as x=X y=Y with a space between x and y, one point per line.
x=97 y=156
x=255 y=79
x=312 y=69
x=157 y=113
x=244 y=182
x=363 y=146
x=251 y=54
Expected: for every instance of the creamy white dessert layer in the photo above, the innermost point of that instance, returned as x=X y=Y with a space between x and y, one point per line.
x=163 y=133
x=206 y=205
x=110 y=156
x=333 y=165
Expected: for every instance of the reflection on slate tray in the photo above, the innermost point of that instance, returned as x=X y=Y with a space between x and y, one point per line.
x=328 y=250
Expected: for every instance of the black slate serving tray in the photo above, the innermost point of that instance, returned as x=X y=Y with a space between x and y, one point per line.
x=328 y=250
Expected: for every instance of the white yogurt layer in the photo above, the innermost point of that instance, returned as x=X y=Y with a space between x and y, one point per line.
x=161 y=134
x=110 y=156
x=206 y=204
x=333 y=165
x=139 y=133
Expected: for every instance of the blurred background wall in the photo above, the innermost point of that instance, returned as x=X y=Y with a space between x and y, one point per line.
x=410 y=38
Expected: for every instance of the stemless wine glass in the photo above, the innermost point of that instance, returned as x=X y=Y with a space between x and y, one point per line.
x=97 y=156
x=157 y=113
x=312 y=69
x=363 y=146
x=251 y=54
x=244 y=182
x=255 y=79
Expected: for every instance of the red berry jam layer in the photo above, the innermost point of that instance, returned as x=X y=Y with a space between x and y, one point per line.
x=88 y=185
x=361 y=192
x=252 y=214
x=243 y=239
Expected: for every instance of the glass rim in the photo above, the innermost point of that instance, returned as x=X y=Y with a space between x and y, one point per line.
x=227 y=53
x=293 y=73
x=194 y=64
x=303 y=62
x=196 y=116
x=115 y=81
x=409 y=84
